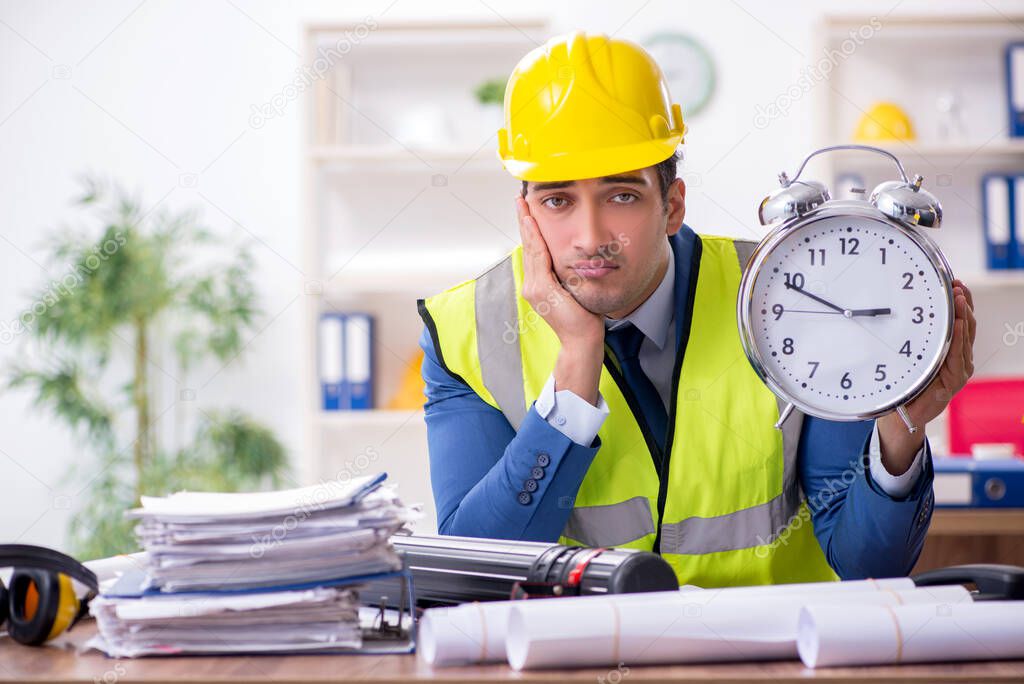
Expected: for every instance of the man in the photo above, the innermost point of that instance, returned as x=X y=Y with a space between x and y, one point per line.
x=591 y=388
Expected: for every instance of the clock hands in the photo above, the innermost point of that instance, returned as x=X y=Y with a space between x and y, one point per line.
x=818 y=299
x=849 y=313
x=854 y=312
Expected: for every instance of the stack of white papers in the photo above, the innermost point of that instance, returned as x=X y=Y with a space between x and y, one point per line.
x=255 y=572
x=320 y=619
x=203 y=541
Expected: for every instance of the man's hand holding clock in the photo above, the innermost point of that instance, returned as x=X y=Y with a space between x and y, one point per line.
x=898 y=445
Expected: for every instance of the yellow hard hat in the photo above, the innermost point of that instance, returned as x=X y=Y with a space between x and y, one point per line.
x=584 y=106
x=885 y=121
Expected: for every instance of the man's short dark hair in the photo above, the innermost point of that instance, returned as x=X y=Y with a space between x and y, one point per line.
x=664 y=170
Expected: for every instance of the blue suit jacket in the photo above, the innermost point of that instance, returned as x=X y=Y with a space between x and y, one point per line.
x=478 y=464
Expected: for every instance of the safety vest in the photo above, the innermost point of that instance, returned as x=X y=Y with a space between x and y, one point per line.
x=725 y=506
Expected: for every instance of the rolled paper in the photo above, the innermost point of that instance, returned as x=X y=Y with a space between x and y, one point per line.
x=475 y=632
x=688 y=627
x=811 y=588
x=469 y=633
x=830 y=635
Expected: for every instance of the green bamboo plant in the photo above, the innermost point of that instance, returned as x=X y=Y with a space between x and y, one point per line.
x=136 y=285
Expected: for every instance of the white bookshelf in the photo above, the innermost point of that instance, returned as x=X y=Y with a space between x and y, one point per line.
x=405 y=197
x=996 y=281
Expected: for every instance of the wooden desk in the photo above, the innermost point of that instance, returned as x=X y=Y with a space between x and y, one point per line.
x=985 y=535
x=54 y=664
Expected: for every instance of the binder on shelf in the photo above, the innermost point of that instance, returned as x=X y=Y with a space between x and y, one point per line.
x=1017 y=224
x=970 y=483
x=330 y=366
x=346 y=361
x=358 y=345
x=1015 y=88
x=998 y=193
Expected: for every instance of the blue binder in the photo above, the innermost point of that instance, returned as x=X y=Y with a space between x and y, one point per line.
x=998 y=214
x=331 y=363
x=1015 y=88
x=1017 y=223
x=969 y=483
x=359 y=358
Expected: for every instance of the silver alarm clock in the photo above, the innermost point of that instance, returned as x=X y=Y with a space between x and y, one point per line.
x=845 y=308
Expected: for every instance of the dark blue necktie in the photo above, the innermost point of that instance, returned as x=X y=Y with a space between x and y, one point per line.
x=625 y=343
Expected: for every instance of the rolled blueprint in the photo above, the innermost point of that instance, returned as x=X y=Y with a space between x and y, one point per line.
x=692 y=627
x=475 y=632
x=458 y=635
x=874 y=635
x=812 y=588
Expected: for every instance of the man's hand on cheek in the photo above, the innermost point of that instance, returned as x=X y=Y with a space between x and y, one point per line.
x=580 y=332
x=541 y=288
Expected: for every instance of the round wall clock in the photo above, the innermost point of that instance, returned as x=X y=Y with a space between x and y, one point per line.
x=687 y=67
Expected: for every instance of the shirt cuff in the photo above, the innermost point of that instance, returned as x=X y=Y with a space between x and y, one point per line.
x=896 y=486
x=571 y=414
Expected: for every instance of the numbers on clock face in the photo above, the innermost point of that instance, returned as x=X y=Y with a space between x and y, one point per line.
x=848 y=314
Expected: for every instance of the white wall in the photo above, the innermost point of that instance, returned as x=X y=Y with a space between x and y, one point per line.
x=158 y=94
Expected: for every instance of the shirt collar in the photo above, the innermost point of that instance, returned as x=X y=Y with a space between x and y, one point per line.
x=655 y=314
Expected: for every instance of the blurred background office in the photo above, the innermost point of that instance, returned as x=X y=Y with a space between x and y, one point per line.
x=217 y=216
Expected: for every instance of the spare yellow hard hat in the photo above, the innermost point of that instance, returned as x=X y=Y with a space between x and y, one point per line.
x=885 y=121
x=584 y=106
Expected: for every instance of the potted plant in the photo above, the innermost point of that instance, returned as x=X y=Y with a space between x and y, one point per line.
x=136 y=284
x=490 y=96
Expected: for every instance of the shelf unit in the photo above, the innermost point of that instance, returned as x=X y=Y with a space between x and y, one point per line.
x=913 y=62
x=404 y=197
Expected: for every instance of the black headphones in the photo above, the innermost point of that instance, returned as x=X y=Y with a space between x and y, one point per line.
x=41 y=601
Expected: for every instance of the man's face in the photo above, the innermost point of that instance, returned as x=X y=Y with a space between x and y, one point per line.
x=607 y=236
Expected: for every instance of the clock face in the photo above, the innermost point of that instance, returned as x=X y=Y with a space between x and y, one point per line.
x=848 y=315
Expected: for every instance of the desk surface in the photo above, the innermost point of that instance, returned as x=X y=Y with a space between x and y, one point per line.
x=977 y=521
x=56 y=664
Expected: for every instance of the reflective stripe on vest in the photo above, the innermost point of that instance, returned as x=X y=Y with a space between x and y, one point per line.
x=497 y=338
x=611 y=525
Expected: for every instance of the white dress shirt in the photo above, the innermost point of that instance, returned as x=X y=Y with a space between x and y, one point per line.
x=579 y=420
